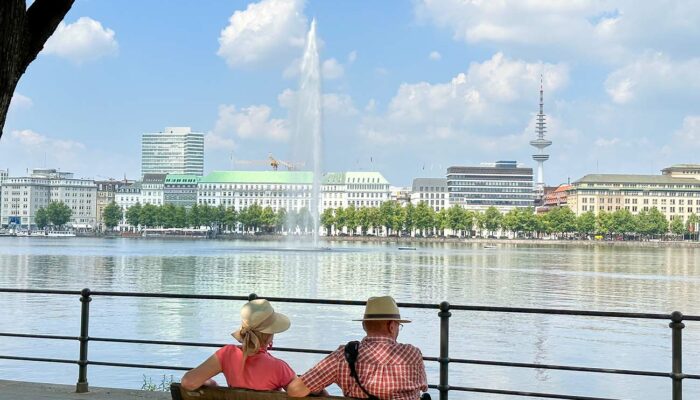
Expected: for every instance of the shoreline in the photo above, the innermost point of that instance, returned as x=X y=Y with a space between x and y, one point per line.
x=414 y=240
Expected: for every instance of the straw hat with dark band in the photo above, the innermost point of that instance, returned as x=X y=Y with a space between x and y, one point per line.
x=382 y=309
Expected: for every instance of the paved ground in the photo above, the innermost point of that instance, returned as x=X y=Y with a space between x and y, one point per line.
x=44 y=391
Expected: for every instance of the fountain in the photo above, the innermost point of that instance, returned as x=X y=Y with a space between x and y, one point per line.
x=307 y=142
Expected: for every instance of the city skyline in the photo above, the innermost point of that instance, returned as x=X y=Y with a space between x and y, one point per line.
x=463 y=92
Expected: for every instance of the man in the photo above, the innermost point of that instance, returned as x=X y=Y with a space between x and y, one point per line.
x=385 y=368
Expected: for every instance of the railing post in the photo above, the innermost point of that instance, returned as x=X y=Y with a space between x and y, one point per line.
x=82 y=385
x=677 y=326
x=252 y=296
x=444 y=358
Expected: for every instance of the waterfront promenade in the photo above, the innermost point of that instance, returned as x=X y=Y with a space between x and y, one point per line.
x=46 y=391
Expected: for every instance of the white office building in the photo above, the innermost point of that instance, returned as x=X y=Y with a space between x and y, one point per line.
x=176 y=150
x=432 y=191
x=23 y=196
x=360 y=189
x=503 y=184
x=291 y=190
x=125 y=197
x=152 y=189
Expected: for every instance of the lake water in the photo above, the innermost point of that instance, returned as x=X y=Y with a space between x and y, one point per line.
x=588 y=278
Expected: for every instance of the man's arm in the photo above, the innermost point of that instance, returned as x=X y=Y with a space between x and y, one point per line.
x=317 y=378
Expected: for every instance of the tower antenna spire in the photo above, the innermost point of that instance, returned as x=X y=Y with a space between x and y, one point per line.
x=540 y=143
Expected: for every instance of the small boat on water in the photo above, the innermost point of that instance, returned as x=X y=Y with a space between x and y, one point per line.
x=407 y=248
x=490 y=246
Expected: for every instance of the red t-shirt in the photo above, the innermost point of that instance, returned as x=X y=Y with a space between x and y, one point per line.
x=262 y=371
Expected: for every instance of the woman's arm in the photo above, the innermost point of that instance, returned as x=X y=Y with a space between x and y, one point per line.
x=198 y=376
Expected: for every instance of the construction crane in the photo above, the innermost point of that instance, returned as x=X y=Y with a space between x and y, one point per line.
x=272 y=162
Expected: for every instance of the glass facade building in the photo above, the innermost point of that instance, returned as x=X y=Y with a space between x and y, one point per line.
x=177 y=150
x=504 y=185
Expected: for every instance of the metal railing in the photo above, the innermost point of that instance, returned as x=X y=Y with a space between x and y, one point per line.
x=444 y=313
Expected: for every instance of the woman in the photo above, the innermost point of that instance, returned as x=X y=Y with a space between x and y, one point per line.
x=249 y=365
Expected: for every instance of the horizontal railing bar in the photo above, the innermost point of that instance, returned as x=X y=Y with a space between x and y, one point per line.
x=32 y=336
x=432 y=359
x=170 y=295
x=199 y=344
x=611 y=314
x=527 y=394
x=158 y=342
x=40 y=291
x=561 y=367
x=131 y=365
x=553 y=311
x=38 y=359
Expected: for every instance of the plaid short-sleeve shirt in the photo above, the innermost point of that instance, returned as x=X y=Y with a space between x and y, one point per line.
x=387 y=369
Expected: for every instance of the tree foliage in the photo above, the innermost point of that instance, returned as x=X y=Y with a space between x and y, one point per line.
x=111 y=215
x=58 y=213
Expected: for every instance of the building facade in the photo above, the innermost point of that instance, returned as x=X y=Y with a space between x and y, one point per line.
x=106 y=193
x=23 y=196
x=400 y=194
x=290 y=190
x=432 y=191
x=676 y=193
x=180 y=190
x=359 y=189
x=504 y=185
x=127 y=196
x=554 y=197
x=152 y=189
x=177 y=150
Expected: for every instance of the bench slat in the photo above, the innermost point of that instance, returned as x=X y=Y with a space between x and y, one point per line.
x=225 y=393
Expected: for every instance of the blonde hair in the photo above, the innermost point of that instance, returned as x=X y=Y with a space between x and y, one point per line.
x=252 y=342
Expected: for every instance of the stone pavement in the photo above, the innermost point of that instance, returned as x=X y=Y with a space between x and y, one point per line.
x=10 y=390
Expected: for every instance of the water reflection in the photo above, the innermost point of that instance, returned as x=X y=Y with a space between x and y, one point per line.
x=599 y=278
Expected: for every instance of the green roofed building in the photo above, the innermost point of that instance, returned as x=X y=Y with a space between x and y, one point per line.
x=180 y=190
x=676 y=192
x=291 y=190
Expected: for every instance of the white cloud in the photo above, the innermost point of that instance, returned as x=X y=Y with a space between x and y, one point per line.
x=253 y=122
x=217 y=141
x=33 y=140
x=689 y=134
x=653 y=74
x=332 y=69
x=483 y=96
x=265 y=31
x=82 y=41
x=434 y=55
x=352 y=56
x=20 y=102
x=602 y=142
x=610 y=30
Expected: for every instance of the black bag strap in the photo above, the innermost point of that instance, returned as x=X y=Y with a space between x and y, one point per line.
x=352 y=349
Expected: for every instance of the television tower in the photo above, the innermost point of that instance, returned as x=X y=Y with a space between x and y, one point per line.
x=540 y=143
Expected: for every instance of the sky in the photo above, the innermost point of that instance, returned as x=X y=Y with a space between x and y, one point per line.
x=410 y=87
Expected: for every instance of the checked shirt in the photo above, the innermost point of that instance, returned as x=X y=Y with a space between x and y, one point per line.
x=387 y=369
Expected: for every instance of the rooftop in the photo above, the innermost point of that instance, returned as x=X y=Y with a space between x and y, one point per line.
x=182 y=178
x=288 y=177
x=631 y=178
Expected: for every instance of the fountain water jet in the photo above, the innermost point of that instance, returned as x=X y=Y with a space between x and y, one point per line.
x=308 y=139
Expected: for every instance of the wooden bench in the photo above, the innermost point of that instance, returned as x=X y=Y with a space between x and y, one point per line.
x=226 y=393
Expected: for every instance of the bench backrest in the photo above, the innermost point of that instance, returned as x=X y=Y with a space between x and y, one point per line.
x=225 y=393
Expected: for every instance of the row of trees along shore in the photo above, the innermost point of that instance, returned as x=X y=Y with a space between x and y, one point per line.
x=254 y=218
x=420 y=220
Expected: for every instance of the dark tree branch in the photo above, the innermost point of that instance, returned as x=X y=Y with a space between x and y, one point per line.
x=23 y=33
x=43 y=16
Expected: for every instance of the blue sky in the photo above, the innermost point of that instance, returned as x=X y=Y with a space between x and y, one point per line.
x=413 y=86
